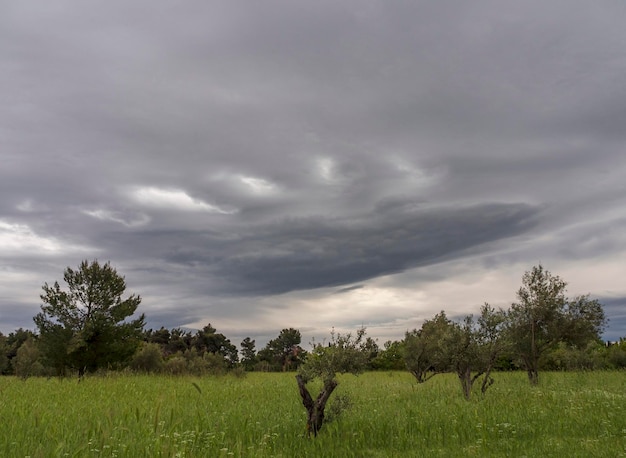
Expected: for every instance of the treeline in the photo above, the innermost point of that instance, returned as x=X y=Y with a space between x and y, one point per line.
x=179 y=352
x=87 y=328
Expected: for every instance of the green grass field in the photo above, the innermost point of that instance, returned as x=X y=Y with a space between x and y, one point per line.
x=567 y=415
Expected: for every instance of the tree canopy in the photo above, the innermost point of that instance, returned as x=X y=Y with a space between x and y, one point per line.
x=543 y=317
x=343 y=354
x=85 y=326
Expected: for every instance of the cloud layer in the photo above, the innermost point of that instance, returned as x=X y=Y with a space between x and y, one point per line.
x=240 y=163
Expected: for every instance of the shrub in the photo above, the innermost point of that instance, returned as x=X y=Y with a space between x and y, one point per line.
x=148 y=359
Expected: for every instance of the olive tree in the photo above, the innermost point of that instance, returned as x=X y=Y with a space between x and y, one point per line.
x=543 y=317
x=473 y=346
x=86 y=326
x=425 y=349
x=468 y=348
x=343 y=354
x=492 y=340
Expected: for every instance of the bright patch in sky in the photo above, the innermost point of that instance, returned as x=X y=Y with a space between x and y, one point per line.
x=417 y=175
x=106 y=215
x=258 y=185
x=20 y=239
x=26 y=206
x=176 y=199
x=325 y=166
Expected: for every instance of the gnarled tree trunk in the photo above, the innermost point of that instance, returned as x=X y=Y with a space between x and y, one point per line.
x=315 y=409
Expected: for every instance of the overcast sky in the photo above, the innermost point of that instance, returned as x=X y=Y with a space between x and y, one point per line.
x=269 y=164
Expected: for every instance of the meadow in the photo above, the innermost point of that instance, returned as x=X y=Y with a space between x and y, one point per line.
x=260 y=415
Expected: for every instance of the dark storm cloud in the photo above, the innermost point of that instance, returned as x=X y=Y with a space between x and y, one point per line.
x=318 y=252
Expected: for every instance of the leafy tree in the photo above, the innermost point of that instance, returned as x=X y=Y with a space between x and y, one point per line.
x=470 y=348
x=161 y=336
x=86 y=327
x=179 y=341
x=425 y=352
x=284 y=352
x=14 y=341
x=474 y=346
x=27 y=360
x=492 y=340
x=584 y=321
x=391 y=357
x=344 y=354
x=568 y=357
x=201 y=363
x=248 y=353
x=543 y=317
x=176 y=365
x=370 y=347
x=210 y=341
x=462 y=352
x=147 y=358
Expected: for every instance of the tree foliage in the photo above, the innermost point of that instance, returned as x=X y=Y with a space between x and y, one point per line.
x=469 y=348
x=284 y=352
x=85 y=327
x=148 y=358
x=390 y=357
x=248 y=353
x=473 y=347
x=425 y=349
x=543 y=317
x=27 y=360
x=208 y=340
x=343 y=354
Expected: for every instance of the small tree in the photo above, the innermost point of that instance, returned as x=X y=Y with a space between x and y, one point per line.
x=161 y=336
x=284 y=352
x=344 y=354
x=543 y=317
x=462 y=349
x=584 y=321
x=391 y=357
x=208 y=340
x=371 y=349
x=425 y=350
x=27 y=361
x=148 y=358
x=179 y=341
x=473 y=347
x=86 y=327
x=492 y=340
x=248 y=353
x=14 y=341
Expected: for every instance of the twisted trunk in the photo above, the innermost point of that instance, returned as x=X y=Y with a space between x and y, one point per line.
x=315 y=409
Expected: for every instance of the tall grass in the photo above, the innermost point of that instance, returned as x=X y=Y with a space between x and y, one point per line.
x=568 y=414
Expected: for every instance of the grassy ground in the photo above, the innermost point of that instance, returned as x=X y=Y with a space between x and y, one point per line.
x=567 y=415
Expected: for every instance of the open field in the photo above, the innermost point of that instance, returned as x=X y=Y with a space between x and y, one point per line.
x=568 y=414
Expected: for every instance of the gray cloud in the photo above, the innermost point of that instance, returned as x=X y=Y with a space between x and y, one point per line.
x=220 y=152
